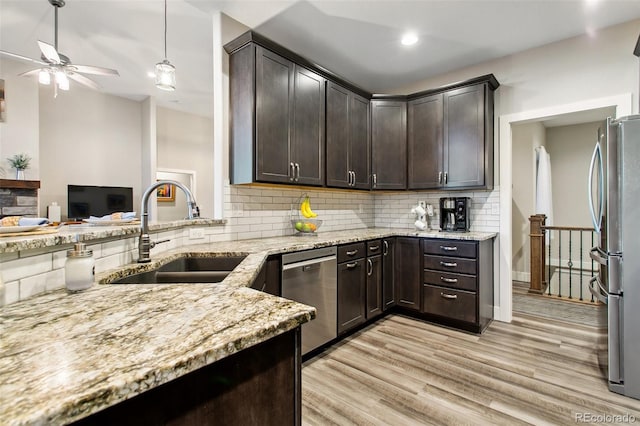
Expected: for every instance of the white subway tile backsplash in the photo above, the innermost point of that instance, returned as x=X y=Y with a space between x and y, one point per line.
x=26 y=267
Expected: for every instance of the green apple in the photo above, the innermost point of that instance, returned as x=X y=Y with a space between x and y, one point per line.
x=299 y=226
x=306 y=227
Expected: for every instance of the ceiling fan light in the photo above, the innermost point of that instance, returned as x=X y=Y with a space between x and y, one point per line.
x=165 y=76
x=44 y=77
x=62 y=80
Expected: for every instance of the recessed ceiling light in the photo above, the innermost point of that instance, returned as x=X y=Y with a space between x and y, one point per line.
x=409 y=39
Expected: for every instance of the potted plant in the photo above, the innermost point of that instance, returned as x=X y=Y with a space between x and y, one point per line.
x=20 y=162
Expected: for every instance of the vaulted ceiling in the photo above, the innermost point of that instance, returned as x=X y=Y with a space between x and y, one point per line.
x=358 y=40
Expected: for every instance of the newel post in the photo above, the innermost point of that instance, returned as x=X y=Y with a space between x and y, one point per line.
x=537 y=241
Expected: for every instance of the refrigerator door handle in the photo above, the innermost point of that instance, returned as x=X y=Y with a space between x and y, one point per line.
x=595 y=288
x=596 y=254
x=597 y=155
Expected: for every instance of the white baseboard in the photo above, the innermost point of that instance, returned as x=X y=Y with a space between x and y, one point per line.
x=521 y=276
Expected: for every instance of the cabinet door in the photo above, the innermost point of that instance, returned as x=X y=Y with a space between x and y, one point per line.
x=338 y=127
x=388 y=144
x=464 y=120
x=388 y=264
x=424 y=162
x=308 y=127
x=408 y=273
x=268 y=279
x=351 y=294
x=359 y=141
x=374 y=286
x=274 y=99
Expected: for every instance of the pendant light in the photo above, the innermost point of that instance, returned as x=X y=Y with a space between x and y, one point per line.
x=165 y=72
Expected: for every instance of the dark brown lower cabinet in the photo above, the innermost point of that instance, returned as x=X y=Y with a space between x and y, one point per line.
x=351 y=294
x=407 y=272
x=260 y=385
x=374 y=286
x=268 y=279
x=458 y=282
x=388 y=280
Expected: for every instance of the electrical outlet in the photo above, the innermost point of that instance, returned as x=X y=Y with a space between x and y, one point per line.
x=196 y=233
x=360 y=208
x=429 y=210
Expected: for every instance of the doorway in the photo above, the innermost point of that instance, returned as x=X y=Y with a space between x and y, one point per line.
x=176 y=207
x=622 y=106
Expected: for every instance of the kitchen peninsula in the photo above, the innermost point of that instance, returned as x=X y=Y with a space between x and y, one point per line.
x=68 y=356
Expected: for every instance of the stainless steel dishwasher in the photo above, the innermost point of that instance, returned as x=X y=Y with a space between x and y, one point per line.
x=310 y=277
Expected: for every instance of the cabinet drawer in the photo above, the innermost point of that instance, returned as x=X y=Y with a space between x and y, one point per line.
x=374 y=247
x=455 y=304
x=351 y=251
x=450 y=264
x=447 y=279
x=450 y=248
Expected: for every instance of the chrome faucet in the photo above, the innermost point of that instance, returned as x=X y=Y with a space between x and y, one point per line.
x=144 y=241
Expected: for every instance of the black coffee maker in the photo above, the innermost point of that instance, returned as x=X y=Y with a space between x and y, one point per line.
x=454 y=214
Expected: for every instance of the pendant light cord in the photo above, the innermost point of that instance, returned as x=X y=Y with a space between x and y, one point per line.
x=165 y=29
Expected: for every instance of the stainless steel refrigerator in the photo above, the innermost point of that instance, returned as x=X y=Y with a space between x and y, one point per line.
x=614 y=194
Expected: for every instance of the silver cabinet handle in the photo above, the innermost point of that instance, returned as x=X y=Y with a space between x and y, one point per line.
x=297 y=171
x=375 y=180
x=374 y=248
x=386 y=248
x=448 y=280
x=369 y=267
x=449 y=296
x=353 y=182
x=449 y=248
x=445 y=177
x=352 y=265
x=348 y=177
x=449 y=264
x=352 y=252
x=293 y=172
x=439 y=177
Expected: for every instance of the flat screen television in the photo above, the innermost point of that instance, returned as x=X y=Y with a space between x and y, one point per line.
x=85 y=201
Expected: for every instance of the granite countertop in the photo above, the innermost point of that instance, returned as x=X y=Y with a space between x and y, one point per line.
x=65 y=356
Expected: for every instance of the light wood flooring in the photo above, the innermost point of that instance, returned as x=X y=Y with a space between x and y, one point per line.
x=401 y=371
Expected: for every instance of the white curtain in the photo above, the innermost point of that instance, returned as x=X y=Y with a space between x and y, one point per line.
x=544 y=199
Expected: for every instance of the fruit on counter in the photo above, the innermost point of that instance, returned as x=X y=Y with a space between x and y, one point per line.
x=305 y=208
x=299 y=226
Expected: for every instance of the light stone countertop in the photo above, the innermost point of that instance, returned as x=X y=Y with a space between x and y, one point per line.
x=65 y=356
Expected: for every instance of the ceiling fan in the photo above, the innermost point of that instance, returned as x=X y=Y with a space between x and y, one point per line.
x=58 y=66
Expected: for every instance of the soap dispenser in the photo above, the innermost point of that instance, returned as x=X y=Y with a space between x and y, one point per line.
x=79 y=270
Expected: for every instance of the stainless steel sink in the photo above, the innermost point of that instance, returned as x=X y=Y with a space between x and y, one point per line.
x=186 y=270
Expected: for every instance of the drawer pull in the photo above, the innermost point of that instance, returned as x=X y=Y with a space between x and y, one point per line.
x=449 y=264
x=374 y=248
x=352 y=265
x=449 y=296
x=448 y=280
x=352 y=252
x=386 y=247
x=369 y=267
x=449 y=248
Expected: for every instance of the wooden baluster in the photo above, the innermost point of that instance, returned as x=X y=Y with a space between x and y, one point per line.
x=538 y=282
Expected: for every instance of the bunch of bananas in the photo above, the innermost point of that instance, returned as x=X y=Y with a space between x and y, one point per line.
x=305 y=208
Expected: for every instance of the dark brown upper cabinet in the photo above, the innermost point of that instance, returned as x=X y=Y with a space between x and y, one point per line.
x=450 y=137
x=347 y=138
x=277 y=119
x=388 y=144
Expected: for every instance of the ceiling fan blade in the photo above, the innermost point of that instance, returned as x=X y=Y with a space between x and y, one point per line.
x=88 y=69
x=49 y=52
x=28 y=73
x=22 y=58
x=84 y=81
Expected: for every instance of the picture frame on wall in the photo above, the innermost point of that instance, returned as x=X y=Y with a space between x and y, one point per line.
x=166 y=193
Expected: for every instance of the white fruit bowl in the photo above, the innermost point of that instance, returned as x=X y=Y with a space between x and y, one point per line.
x=306 y=226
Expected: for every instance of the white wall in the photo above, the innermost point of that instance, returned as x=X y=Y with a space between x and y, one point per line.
x=526 y=137
x=568 y=71
x=20 y=132
x=185 y=141
x=570 y=148
x=87 y=138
